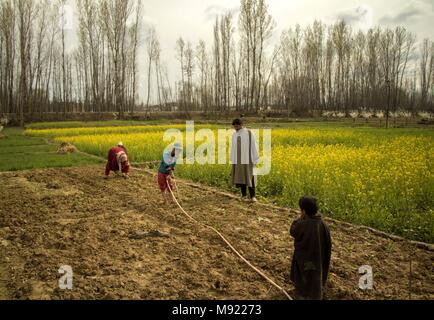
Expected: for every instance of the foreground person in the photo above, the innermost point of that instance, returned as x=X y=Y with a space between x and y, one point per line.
x=165 y=171
x=117 y=161
x=312 y=252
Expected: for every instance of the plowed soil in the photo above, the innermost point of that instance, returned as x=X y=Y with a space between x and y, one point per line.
x=71 y=216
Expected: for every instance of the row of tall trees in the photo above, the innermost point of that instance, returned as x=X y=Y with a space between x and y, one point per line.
x=319 y=67
x=335 y=68
x=105 y=62
x=39 y=73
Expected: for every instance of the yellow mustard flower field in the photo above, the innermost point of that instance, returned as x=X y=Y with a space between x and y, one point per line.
x=375 y=177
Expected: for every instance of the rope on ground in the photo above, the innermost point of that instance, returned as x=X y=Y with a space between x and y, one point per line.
x=263 y=275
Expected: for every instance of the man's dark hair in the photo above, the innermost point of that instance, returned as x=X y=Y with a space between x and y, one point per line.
x=309 y=205
x=237 y=122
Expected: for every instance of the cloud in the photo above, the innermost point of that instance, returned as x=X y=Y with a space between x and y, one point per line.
x=212 y=11
x=359 y=17
x=430 y=2
x=410 y=12
x=149 y=21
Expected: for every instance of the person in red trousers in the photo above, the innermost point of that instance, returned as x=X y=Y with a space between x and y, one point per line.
x=165 y=171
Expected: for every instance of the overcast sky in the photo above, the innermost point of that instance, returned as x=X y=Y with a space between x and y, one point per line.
x=193 y=20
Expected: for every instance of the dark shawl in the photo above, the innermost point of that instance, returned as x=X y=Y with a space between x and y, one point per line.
x=311 y=259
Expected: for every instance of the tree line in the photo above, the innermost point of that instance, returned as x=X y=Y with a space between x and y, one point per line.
x=314 y=68
x=38 y=74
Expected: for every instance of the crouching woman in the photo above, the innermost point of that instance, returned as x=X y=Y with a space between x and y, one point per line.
x=117 y=161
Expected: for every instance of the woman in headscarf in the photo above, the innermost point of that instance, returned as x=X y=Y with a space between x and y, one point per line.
x=166 y=169
x=117 y=161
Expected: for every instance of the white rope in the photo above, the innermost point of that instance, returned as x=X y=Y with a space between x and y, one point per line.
x=228 y=243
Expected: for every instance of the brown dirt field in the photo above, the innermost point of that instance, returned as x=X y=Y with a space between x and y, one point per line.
x=71 y=216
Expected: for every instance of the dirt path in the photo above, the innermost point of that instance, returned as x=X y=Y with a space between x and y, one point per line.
x=71 y=216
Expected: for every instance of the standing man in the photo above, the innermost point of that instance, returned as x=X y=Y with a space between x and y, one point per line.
x=244 y=157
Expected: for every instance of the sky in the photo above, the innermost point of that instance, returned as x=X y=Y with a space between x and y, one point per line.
x=193 y=20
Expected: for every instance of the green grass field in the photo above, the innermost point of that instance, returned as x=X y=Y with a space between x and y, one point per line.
x=83 y=124
x=20 y=152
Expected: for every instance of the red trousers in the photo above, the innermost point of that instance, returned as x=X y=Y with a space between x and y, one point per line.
x=162 y=181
